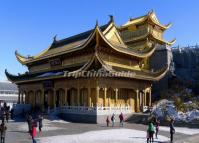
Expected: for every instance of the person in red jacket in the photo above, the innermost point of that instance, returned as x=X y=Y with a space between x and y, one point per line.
x=34 y=132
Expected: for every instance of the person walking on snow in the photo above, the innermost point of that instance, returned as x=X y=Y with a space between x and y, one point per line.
x=121 y=116
x=172 y=130
x=113 y=120
x=3 y=117
x=107 y=121
x=34 y=132
x=29 y=121
x=40 y=120
x=157 y=126
x=7 y=116
x=3 y=129
x=150 y=131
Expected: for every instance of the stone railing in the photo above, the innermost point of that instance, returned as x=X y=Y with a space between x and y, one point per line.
x=115 y=110
x=20 y=108
x=91 y=110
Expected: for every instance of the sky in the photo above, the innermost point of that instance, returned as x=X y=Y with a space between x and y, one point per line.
x=29 y=26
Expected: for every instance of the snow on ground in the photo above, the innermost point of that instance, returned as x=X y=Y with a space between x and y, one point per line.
x=47 y=126
x=183 y=130
x=105 y=136
x=55 y=119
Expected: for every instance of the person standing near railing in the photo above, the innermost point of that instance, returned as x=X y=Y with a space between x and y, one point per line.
x=34 y=131
x=121 y=116
x=113 y=120
x=172 y=130
x=3 y=129
x=107 y=121
x=40 y=120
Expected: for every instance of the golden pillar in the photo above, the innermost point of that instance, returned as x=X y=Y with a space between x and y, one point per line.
x=19 y=97
x=54 y=98
x=145 y=98
x=105 y=93
x=72 y=97
x=26 y=98
x=150 y=97
x=33 y=98
x=66 y=97
x=116 y=96
x=78 y=95
x=22 y=98
x=137 y=101
x=62 y=98
x=130 y=96
x=89 y=97
x=97 y=95
x=142 y=96
x=42 y=100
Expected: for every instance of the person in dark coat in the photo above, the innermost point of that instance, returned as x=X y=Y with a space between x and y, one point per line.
x=172 y=130
x=121 y=116
x=12 y=113
x=3 y=129
x=29 y=121
x=7 y=116
x=113 y=120
x=157 y=126
x=40 y=120
x=3 y=117
x=107 y=121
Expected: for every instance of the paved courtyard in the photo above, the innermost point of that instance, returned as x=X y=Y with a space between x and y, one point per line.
x=59 y=131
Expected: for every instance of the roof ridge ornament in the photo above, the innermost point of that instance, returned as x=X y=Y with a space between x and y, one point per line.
x=150 y=12
x=55 y=39
x=111 y=18
x=97 y=24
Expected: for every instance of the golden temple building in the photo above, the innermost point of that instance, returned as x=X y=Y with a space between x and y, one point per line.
x=54 y=77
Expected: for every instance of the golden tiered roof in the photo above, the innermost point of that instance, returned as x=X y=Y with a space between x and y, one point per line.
x=109 y=35
x=152 y=30
x=150 y=17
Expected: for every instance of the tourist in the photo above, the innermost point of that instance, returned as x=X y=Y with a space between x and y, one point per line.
x=113 y=120
x=3 y=129
x=7 y=116
x=150 y=131
x=147 y=136
x=3 y=117
x=29 y=121
x=121 y=116
x=157 y=126
x=34 y=131
x=172 y=130
x=40 y=120
x=12 y=113
x=107 y=121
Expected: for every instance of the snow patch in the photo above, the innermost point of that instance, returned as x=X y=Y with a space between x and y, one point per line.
x=105 y=136
x=46 y=127
x=166 y=108
x=187 y=131
x=55 y=119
